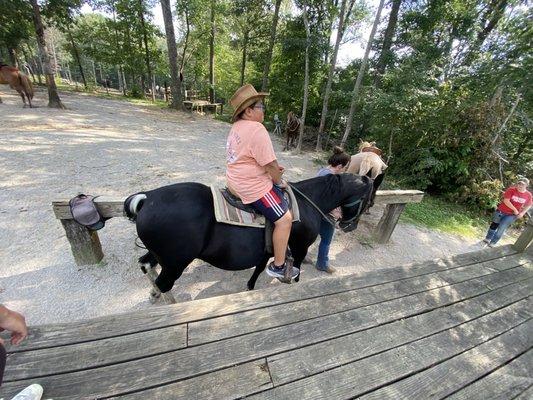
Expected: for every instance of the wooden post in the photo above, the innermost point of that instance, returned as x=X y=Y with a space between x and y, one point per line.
x=525 y=239
x=388 y=222
x=85 y=244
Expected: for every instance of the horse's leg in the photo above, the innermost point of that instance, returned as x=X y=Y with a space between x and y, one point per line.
x=298 y=254
x=23 y=98
x=258 y=269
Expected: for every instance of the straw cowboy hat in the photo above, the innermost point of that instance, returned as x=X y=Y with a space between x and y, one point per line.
x=369 y=146
x=244 y=97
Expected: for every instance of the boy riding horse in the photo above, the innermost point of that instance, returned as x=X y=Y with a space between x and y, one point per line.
x=253 y=172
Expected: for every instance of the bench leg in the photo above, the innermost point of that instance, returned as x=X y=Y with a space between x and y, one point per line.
x=525 y=239
x=85 y=244
x=388 y=222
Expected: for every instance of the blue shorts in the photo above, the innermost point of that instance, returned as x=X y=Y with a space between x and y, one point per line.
x=272 y=205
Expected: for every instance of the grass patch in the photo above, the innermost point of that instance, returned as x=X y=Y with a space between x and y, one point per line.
x=436 y=213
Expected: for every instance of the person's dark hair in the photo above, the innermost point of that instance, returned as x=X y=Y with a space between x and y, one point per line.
x=339 y=157
x=239 y=116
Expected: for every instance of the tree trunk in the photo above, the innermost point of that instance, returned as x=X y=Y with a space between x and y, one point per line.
x=175 y=84
x=330 y=77
x=53 y=96
x=243 y=62
x=185 y=44
x=360 y=74
x=147 y=53
x=212 y=55
x=28 y=64
x=306 y=78
x=34 y=64
x=489 y=21
x=52 y=45
x=266 y=70
x=385 y=55
x=94 y=73
x=77 y=56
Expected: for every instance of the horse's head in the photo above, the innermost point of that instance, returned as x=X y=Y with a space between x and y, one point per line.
x=358 y=193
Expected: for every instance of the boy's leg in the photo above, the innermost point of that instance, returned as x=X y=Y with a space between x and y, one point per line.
x=280 y=237
x=275 y=208
x=495 y=223
x=505 y=221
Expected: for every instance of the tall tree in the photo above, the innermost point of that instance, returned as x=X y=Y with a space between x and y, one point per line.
x=306 y=76
x=333 y=61
x=53 y=96
x=175 y=83
x=212 y=55
x=386 y=53
x=268 y=60
x=146 y=50
x=360 y=74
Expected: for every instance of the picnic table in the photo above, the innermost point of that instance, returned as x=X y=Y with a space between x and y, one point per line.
x=199 y=105
x=459 y=327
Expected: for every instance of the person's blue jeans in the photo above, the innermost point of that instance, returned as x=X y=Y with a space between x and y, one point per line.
x=500 y=223
x=326 y=236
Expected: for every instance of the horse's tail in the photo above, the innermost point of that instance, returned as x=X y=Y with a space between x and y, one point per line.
x=26 y=85
x=133 y=205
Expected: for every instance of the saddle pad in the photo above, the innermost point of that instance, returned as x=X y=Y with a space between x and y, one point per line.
x=227 y=214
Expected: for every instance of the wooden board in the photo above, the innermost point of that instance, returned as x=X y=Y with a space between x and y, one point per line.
x=139 y=321
x=458 y=326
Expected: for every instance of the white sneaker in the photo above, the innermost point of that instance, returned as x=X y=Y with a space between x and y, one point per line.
x=32 y=392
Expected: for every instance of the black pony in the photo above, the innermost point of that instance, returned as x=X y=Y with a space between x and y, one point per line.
x=177 y=224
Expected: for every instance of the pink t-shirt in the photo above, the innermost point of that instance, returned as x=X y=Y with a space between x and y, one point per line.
x=248 y=150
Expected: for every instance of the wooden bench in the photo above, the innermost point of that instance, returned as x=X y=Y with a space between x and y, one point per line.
x=87 y=249
x=199 y=105
x=459 y=326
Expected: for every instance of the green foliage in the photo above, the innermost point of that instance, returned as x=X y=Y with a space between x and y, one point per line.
x=436 y=213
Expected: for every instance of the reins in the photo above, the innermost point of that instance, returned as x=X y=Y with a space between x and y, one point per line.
x=332 y=223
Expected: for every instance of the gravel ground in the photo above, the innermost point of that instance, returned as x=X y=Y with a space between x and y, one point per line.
x=114 y=148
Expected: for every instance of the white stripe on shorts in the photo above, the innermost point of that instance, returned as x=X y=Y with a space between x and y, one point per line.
x=275 y=206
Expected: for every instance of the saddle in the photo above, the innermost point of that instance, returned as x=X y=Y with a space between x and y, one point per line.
x=229 y=209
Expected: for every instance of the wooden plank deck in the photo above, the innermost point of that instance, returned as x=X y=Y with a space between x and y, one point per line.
x=458 y=327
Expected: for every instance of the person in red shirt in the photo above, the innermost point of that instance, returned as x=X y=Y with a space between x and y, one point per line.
x=516 y=202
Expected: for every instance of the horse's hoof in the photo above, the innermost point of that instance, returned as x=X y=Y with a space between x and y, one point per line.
x=155 y=295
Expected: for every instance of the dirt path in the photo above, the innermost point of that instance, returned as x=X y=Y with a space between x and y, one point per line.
x=111 y=147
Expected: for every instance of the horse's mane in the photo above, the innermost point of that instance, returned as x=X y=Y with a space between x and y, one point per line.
x=335 y=184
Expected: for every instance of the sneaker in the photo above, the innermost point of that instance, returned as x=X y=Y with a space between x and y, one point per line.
x=279 y=272
x=32 y=392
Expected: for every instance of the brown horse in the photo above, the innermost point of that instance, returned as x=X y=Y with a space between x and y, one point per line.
x=17 y=81
x=291 y=129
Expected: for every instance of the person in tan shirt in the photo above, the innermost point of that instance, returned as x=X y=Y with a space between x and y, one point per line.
x=253 y=172
x=368 y=162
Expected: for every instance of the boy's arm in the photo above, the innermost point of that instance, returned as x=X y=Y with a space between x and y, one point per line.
x=276 y=171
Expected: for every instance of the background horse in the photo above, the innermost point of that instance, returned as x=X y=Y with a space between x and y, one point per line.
x=17 y=81
x=291 y=130
x=177 y=224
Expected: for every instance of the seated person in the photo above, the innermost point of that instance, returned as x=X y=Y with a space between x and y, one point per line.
x=253 y=172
